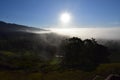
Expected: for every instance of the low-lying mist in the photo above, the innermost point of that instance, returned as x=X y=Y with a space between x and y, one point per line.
x=97 y=33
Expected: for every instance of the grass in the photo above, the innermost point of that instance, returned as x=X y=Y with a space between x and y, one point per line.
x=102 y=71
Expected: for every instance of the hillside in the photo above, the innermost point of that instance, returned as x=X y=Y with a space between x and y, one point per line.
x=9 y=27
x=22 y=52
x=19 y=41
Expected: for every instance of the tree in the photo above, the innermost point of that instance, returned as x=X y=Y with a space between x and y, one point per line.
x=83 y=54
x=72 y=49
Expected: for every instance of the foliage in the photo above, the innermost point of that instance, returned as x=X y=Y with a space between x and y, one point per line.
x=86 y=54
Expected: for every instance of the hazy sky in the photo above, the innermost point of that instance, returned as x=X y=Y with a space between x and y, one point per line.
x=44 y=13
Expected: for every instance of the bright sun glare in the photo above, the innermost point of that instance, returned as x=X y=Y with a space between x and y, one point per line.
x=65 y=17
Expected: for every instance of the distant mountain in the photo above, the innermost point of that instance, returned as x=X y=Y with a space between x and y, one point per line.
x=9 y=27
x=20 y=39
x=12 y=31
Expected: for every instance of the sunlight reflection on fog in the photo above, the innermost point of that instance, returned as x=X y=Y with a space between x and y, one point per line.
x=102 y=33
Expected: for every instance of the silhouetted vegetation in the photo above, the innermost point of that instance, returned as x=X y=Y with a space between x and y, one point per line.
x=84 y=54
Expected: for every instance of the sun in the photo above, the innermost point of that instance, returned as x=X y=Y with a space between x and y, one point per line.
x=65 y=17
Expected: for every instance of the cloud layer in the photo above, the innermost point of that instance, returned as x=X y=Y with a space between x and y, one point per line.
x=101 y=33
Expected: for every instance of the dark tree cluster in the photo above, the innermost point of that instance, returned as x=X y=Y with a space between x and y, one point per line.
x=83 y=54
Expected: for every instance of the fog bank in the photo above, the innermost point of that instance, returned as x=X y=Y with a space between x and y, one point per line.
x=99 y=33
